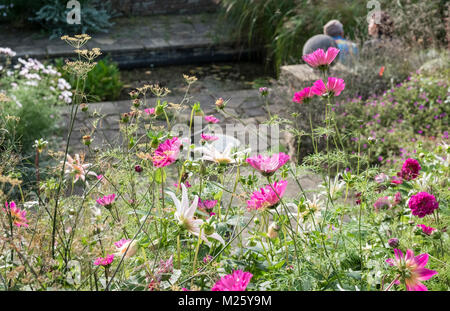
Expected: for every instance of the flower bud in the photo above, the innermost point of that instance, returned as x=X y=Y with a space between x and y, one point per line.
x=272 y=232
x=220 y=103
x=159 y=110
x=394 y=242
x=138 y=168
x=264 y=91
x=125 y=118
x=84 y=107
x=87 y=140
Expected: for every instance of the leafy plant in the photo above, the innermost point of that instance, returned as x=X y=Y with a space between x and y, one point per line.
x=102 y=82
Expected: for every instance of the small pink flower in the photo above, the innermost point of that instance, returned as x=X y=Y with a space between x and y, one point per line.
x=303 y=96
x=207 y=259
x=396 y=180
x=107 y=200
x=411 y=269
x=426 y=230
x=206 y=137
x=99 y=177
x=104 y=261
x=382 y=203
x=211 y=119
x=121 y=242
x=268 y=165
x=18 y=216
x=237 y=281
x=150 y=111
x=206 y=204
x=381 y=178
x=422 y=204
x=186 y=183
x=266 y=197
x=167 y=152
x=320 y=58
x=397 y=198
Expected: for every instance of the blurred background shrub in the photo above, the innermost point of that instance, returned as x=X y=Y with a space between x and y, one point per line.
x=103 y=81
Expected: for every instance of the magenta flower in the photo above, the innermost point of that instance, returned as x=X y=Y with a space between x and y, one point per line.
x=426 y=230
x=321 y=59
x=268 y=165
x=422 y=204
x=410 y=169
x=206 y=204
x=107 y=200
x=266 y=197
x=167 y=152
x=18 y=216
x=211 y=119
x=150 y=111
x=206 y=137
x=121 y=242
x=303 y=96
x=237 y=281
x=186 y=183
x=396 y=180
x=104 y=261
x=411 y=269
x=334 y=87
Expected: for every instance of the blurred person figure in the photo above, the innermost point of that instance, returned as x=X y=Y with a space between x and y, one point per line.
x=348 y=49
x=381 y=31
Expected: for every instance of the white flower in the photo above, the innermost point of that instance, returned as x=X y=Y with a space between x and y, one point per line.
x=225 y=157
x=185 y=216
x=335 y=186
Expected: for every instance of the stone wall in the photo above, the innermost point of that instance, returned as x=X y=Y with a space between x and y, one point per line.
x=163 y=7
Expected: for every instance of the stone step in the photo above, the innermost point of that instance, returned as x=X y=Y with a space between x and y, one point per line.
x=142 y=41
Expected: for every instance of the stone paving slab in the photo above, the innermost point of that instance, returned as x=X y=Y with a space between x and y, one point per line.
x=198 y=35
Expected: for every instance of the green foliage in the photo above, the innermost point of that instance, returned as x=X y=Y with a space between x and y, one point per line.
x=102 y=82
x=384 y=126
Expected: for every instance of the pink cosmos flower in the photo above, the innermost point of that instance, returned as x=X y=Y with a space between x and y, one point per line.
x=320 y=58
x=206 y=137
x=303 y=96
x=411 y=269
x=167 y=152
x=422 y=204
x=211 y=119
x=266 y=197
x=18 y=216
x=410 y=169
x=150 y=111
x=427 y=230
x=334 y=87
x=107 y=200
x=121 y=242
x=268 y=165
x=104 y=261
x=237 y=281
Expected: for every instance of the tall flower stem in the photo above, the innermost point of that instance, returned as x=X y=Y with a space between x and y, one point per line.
x=199 y=241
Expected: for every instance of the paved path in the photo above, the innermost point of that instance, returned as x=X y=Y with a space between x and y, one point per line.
x=139 y=41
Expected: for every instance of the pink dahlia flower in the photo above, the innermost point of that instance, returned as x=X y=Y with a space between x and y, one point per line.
x=321 y=59
x=422 y=204
x=104 y=261
x=18 y=216
x=268 y=165
x=410 y=169
x=206 y=137
x=237 y=281
x=303 y=96
x=107 y=200
x=411 y=269
x=427 y=230
x=334 y=87
x=211 y=119
x=266 y=197
x=167 y=152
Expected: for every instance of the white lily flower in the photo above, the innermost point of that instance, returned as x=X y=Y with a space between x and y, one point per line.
x=210 y=153
x=185 y=216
